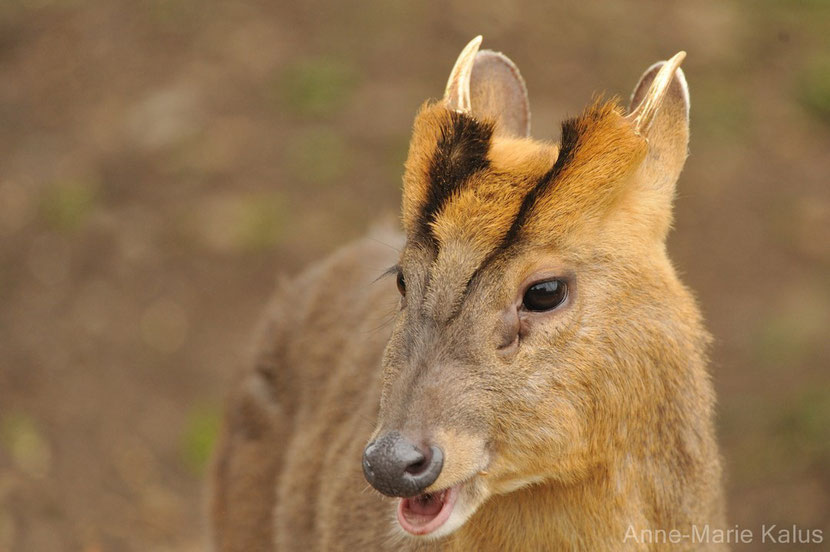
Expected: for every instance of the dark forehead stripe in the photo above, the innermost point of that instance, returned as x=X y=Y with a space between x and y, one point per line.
x=461 y=152
x=570 y=140
x=571 y=130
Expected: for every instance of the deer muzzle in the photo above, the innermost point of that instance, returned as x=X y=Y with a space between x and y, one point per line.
x=396 y=466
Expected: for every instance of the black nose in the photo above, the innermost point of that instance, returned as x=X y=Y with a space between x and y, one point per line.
x=396 y=466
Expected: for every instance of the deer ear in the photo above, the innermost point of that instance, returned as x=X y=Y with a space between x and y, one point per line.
x=488 y=85
x=659 y=112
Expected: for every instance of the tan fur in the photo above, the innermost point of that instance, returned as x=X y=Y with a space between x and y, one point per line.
x=596 y=419
x=483 y=211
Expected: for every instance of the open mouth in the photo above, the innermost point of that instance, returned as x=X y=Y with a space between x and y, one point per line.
x=423 y=514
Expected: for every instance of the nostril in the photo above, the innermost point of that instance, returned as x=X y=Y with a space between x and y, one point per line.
x=420 y=465
x=416 y=468
x=431 y=469
x=396 y=466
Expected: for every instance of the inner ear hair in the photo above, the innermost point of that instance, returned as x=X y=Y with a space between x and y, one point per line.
x=666 y=122
x=660 y=113
x=488 y=86
x=498 y=92
x=661 y=83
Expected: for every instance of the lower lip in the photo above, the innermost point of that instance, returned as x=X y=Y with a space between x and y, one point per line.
x=415 y=520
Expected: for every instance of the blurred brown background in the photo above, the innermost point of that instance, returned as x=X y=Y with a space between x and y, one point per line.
x=162 y=160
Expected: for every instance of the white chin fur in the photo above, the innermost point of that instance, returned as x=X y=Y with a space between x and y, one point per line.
x=517 y=484
x=461 y=512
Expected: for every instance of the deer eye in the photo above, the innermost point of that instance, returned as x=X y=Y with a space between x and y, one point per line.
x=545 y=296
x=401 y=283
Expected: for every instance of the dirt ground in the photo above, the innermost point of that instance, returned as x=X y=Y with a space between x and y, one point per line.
x=161 y=161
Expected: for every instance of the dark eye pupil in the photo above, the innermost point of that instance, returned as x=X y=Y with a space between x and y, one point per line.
x=545 y=296
x=401 y=283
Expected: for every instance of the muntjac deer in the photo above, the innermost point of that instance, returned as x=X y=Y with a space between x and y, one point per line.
x=543 y=385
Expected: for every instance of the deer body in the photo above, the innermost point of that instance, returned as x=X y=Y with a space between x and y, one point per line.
x=543 y=385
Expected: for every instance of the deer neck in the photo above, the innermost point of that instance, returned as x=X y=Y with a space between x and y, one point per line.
x=549 y=516
x=596 y=514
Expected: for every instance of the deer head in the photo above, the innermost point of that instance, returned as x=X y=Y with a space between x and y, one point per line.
x=539 y=317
